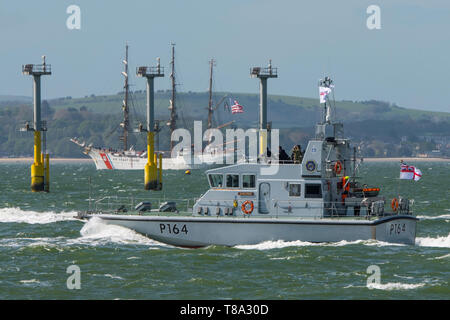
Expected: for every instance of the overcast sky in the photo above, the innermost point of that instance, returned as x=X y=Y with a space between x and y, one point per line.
x=405 y=62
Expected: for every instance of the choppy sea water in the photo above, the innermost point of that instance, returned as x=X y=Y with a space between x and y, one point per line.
x=40 y=240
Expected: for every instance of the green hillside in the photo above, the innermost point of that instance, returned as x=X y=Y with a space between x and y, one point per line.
x=382 y=129
x=285 y=111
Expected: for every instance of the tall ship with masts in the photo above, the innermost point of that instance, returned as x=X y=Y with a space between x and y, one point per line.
x=106 y=158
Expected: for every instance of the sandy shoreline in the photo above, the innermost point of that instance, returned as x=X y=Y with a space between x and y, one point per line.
x=30 y=160
x=406 y=159
x=88 y=160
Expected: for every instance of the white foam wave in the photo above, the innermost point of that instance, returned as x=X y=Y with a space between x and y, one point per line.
x=441 y=257
x=279 y=244
x=30 y=281
x=132 y=258
x=395 y=286
x=441 y=242
x=267 y=245
x=283 y=258
x=45 y=242
x=443 y=216
x=95 y=231
x=113 y=277
x=34 y=283
x=18 y=215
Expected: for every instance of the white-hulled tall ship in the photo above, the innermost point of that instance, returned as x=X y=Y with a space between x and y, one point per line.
x=106 y=158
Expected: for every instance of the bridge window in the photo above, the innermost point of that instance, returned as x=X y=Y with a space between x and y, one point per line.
x=313 y=190
x=232 y=181
x=295 y=189
x=248 y=181
x=216 y=180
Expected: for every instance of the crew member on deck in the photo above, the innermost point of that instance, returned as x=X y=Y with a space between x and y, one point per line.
x=283 y=156
x=297 y=154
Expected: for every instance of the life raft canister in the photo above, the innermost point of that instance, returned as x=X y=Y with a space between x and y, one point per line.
x=338 y=167
x=247 y=207
x=394 y=204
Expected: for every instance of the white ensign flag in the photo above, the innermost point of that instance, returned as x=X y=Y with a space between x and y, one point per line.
x=323 y=93
x=410 y=172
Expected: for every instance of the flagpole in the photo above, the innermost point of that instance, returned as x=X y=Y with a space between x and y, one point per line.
x=408 y=172
x=398 y=183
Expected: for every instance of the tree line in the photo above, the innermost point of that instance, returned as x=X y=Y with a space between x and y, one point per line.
x=380 y=138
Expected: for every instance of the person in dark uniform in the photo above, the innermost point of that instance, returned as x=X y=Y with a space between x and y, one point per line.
x=282 y=155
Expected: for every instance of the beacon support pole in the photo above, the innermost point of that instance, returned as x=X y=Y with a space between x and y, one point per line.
x=263 y=74
x=39 y=174
x=152 y=174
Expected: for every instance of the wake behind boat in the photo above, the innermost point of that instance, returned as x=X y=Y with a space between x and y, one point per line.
x=317 y=199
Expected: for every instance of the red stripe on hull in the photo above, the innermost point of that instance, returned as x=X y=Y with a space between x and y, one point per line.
x=106 y=160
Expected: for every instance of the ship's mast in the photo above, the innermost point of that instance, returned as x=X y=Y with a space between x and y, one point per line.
x=173 y=115
x=210 y=105
x=125 y=123
x=327 y=128
x=326 y=115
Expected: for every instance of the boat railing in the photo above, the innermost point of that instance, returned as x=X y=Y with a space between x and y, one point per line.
x=116 y=204
x=320 y=209
x=308 y=208
x=405 y=206
x=311 y=208
x=221 y=207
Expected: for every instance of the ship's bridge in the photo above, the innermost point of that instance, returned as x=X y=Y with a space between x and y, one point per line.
x=258 y=189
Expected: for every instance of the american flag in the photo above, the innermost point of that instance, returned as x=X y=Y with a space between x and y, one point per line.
x=237 y=108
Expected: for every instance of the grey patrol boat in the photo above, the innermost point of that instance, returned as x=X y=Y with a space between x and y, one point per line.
x=317 y=200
